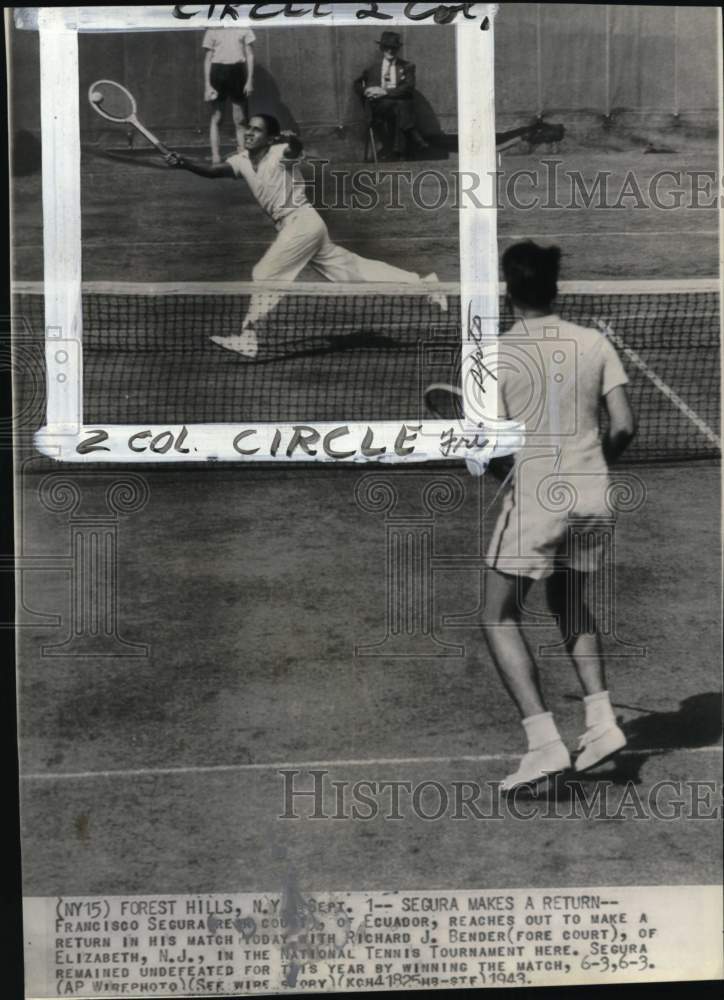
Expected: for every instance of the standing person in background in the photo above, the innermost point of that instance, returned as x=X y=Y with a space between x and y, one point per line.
x=228 y=73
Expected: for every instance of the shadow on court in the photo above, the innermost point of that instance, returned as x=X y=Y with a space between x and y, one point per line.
x=696 y=723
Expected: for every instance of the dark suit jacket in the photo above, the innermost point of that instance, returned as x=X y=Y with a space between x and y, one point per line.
x=372 y=77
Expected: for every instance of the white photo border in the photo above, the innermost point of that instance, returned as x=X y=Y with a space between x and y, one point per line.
x=65 y=437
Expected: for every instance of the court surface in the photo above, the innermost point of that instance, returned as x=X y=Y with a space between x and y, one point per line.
x=144 y=222
x=251 y=588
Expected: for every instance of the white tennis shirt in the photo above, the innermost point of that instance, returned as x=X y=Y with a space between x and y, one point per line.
x=388 y=76
x=277 y=186
x=552 y=376
x=227 y=44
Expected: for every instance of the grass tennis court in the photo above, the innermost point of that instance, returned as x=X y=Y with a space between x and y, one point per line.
x=145 y=223
x=251 y=587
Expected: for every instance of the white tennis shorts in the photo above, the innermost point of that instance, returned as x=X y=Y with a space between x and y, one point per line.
x=529 y=541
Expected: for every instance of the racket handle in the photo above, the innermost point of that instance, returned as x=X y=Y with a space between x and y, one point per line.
x=164 y=150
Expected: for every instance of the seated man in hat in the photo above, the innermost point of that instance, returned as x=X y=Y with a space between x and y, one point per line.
x=387 y=88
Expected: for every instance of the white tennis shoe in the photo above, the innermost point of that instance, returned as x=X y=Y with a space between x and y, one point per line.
x=538 y=764
x=597 y=744
x=435 y=298
x=244 y=343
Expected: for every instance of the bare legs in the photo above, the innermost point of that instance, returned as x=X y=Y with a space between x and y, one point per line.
x=566 y=591
x=217 y=116
x=239 y=117
x=511 y=655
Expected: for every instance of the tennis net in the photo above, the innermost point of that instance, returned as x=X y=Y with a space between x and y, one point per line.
x=331 y=352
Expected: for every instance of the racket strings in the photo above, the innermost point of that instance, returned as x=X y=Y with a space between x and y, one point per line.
x=112 y=101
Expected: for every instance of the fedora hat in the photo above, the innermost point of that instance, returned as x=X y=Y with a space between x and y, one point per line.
x=390 y=40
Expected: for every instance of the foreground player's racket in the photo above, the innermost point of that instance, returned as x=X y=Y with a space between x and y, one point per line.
x=444 y=401
x=113 y=102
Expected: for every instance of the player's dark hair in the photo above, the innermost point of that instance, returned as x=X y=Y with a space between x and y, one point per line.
x=531 y=274
x=273 y=128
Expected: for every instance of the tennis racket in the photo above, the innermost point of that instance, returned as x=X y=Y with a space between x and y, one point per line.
x=444 y=401
x=113 y=102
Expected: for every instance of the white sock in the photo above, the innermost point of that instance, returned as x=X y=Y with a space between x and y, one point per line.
x=541 y=730
x=598 y=710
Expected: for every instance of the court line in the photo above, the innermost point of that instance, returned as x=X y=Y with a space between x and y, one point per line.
x=333 y=289
x=598 y=233
x=407 y=239
x=295 y=765
x=663 y=388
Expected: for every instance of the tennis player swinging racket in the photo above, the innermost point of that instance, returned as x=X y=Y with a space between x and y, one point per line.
x=268 y=164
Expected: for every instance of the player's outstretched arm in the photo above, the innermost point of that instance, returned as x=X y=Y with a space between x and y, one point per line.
x=195 y=167
x=622 y=424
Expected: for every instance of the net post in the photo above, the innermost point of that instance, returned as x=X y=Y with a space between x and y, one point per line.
x=60 y=126
x=478 y=228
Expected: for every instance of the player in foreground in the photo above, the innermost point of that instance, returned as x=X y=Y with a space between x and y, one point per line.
x=268 y=165
x=580 y=369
